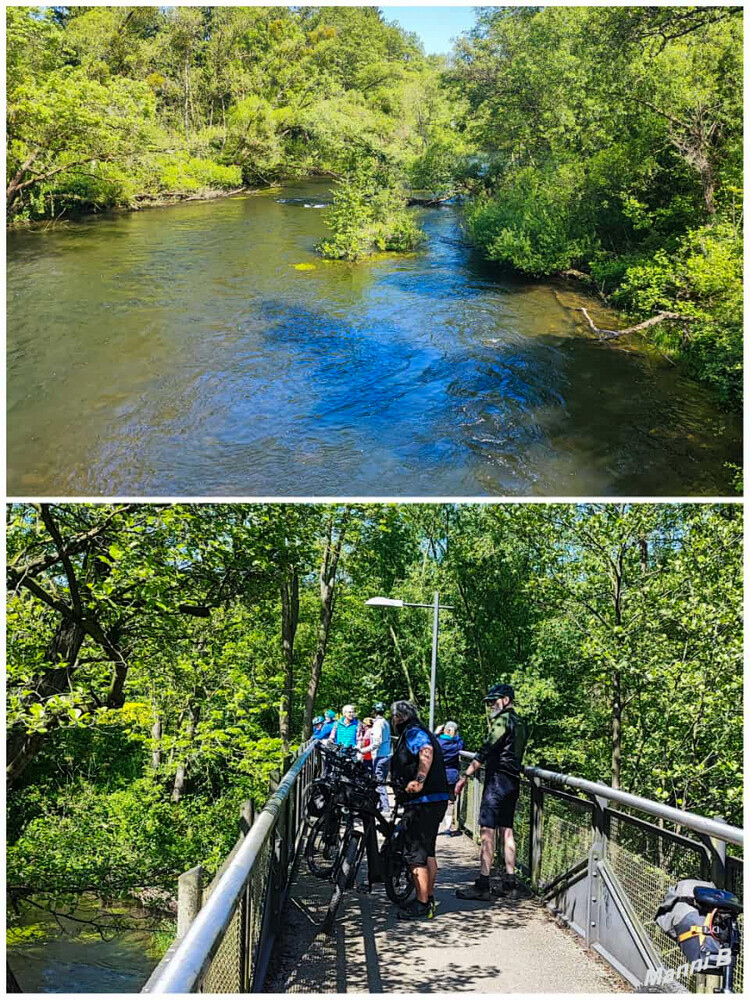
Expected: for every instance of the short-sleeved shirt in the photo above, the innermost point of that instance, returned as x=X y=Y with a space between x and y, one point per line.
x=416 y=738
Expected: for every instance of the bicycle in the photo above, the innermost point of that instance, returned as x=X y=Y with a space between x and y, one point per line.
x=385 y=864
x=327 y=794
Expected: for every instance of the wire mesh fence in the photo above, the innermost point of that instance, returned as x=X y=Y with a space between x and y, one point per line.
x=239 y=954
x=647 y=861
x=735 y=872
x=567 y=834
x=556 y=830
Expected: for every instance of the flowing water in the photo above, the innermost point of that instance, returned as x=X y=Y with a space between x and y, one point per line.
x=49 y=954
x=184 y=351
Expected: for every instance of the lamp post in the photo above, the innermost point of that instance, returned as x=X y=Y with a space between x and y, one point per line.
x=437 y=607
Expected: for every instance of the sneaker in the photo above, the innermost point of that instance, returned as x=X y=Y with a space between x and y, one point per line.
x=475 y=891
x=433 y=904
x=507 y=886
x=414 y=911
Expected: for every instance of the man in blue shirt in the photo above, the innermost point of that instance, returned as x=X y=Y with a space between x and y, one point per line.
x=419 y=775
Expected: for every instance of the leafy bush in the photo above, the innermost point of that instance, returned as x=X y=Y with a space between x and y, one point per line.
x=536 y=221
x=366 y=217
x=702 y=280
x=181 y=172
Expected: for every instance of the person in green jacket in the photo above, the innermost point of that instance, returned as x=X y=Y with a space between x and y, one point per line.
x=502 y=757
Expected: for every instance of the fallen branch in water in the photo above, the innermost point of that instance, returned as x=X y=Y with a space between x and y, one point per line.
x=431 y=202
x=614 y=334
x=638 y=328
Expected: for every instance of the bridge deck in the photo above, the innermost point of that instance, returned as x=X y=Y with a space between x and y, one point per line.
x=471 y=947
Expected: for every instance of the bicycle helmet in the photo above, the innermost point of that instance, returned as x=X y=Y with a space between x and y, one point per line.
x=379 y=707
x=318 y=720
x=329 y=713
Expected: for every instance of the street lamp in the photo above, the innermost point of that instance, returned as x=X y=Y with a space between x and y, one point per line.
x=437 y=607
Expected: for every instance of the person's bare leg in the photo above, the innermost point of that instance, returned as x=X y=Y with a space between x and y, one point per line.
x=509 y=848
x=487 y=851
x=421 y=876
x=432 y=869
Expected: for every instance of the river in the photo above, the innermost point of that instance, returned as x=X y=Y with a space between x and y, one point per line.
x=182 y=351
x=62 y=955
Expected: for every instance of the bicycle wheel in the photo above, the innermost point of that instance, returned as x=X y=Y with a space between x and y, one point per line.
x=324 y=845
x=399 y=885
x=344 y=878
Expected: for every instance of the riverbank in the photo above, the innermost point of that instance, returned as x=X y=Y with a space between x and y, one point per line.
x=141 y=203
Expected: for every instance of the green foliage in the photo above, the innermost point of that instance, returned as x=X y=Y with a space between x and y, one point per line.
x=117 y=102
x=189 y=173
x=611 y=141
x=366 y=217
x=538 y=223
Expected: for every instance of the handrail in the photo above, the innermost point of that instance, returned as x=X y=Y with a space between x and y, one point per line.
x=701 y=824
x=193 y=953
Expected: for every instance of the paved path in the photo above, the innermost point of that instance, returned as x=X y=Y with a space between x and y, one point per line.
x=470 y=947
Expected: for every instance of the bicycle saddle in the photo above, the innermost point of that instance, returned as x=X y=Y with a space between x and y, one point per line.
x=709 y=898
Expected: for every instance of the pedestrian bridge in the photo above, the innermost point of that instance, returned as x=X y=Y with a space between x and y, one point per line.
x=597 y=862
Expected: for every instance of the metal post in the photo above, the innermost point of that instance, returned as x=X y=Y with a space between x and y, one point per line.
x=536 y=827
x=189 y=898
x=433 y=672
x=718 y=859
x=247 y=817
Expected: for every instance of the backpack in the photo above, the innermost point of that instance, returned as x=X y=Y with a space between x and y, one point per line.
x=679 y=918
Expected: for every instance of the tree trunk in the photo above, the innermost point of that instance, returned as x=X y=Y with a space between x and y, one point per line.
x=156 y=732
x=289 y=621
x=180 y=778
x=409 y=685
x=331 y=555
x=62 y=651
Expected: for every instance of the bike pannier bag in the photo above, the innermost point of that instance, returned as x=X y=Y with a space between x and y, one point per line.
x=680 y=919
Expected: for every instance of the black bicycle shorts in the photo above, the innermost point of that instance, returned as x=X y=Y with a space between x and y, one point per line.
x=421 y=824
x=498 y=805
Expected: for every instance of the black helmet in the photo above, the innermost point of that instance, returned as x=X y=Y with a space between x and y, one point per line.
x=379 y=707
x=500 y=691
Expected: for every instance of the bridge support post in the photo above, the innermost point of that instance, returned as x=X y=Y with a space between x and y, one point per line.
x=247 y=817
x=718 y=859
x=536 y=828
x=189 y=898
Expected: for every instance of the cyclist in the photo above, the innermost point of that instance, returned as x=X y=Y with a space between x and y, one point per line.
x=329 y=717
x=317 y=724
x=345 y=730
x=418 y=770
x=501 y=754
x=451 y=746
x=380 y=739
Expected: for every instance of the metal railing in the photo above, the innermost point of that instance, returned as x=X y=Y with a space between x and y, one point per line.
x=603 y=860
x=227 y=946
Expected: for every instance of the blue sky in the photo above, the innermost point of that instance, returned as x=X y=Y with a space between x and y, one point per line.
x=436 y=26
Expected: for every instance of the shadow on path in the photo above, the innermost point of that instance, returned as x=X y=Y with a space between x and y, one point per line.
x=470 y=947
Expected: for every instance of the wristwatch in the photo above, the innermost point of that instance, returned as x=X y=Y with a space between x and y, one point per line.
x=420 y=778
